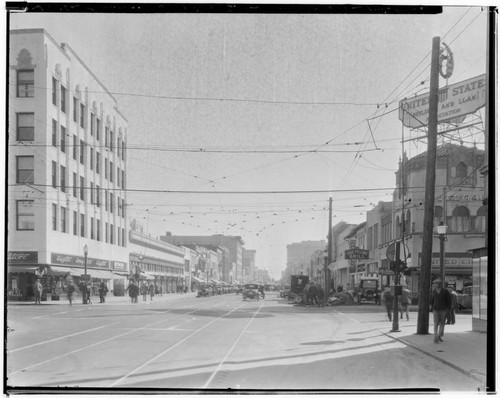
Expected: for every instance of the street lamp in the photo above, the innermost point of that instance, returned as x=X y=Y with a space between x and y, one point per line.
x=441 y=230
x=84 y=290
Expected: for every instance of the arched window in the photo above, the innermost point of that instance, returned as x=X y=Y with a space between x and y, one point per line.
x=461 y=170
x=460 y=219
x=482 y=213
x=398 y=228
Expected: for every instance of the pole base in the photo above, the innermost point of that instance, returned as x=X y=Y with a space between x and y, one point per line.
x=394 y=331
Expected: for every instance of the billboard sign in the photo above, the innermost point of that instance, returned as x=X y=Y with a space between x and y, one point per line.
x=454 y=101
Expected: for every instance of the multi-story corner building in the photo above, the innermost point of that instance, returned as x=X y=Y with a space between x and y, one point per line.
x=231 y=260
x=341 y=265
x=249 y=265
x=357 y=239
x=157 y=262
x=67 y=169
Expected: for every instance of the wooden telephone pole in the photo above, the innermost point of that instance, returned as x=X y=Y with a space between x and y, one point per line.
x=430 y=187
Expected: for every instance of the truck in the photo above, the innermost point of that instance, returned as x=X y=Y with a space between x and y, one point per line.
x=297 y=284
x=369 y=290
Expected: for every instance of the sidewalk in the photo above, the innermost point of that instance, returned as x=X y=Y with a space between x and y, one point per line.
x=462 y=348
x=110 y=299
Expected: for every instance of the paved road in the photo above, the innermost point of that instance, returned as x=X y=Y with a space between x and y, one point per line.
x=217 y=343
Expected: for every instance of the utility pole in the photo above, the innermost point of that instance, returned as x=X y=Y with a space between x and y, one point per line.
x=329 y=260
x=430 y=186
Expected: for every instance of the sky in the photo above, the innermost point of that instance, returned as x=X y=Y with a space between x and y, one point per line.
x=246 y=124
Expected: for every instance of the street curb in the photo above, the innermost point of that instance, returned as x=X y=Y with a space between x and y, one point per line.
x=442 y=360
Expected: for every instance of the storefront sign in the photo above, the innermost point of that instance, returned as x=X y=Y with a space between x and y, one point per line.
x=465 y=198
x=454 y=260
x=356 y=254
x=22 y=257
x=119 y=265
x=79 y=261
x=456 y=100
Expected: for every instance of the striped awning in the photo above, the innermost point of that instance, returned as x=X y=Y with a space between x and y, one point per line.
x=194 y=278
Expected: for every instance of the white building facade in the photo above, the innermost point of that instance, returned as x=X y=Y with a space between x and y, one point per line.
x=67 y=170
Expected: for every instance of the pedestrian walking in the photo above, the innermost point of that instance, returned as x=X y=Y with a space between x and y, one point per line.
x=389 y=301
x=450 y=318
x=144 y=291
x=70 y=292
x=103 y=289
x=440 y=303
x=405 y=303
x=151 y=291
x=38 y=289
x=89 y=293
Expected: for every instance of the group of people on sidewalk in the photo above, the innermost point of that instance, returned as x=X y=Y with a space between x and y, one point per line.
x=134 y=289
x=443 y=303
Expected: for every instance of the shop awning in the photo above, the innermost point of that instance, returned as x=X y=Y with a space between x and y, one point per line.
x=147 y=275
x=194 y=278
x=217 y=282
x=55 y=270
x=98 y=273
x=22 y=268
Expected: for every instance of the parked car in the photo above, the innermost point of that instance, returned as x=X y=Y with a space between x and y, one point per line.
x=464 y=299
x=251 y=291
x=368 y=290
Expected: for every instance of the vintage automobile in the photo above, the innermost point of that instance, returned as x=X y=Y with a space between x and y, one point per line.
x=285 y=291
x=464 y=299
x=368 y=290
x=251 y=291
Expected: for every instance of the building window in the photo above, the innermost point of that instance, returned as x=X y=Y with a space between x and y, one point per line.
x=98 y=196
x=118 y=206
x=106 y=168
x=408 y=223
x=111 y=139
x=106 y=136
x=91 y=227
x=82 y=188
x=82 y=152
x=54 y=91
x=98 y=232
x=91 y=158
x=97 y=162
x=26 y=83
x=63 y=139
x=74 y=184
x=106 y=233
x=91 y=193
x=111 y=171
x=461 y=170
x=123 y=237
x=82 y=116
x=75 y=223
x=111 y=201
x=63 y=178
x=482 y=213
x=75 y=109
x=63 y=219
x=75 y=147
x=54 y=174
x=54 y=133
x=54 y=217
x=460 y=219
x=111 y=231
x=25 y=215
x=106 y=200
x=118 y=238
x=92 y=124
x=118 y=176
x=123 y=208
x=398 y=228
x=25 y=126
x=98 y=129
x=438 y=216
x=63 y=99
x=82 y=225
x=118 y=146
x=123 y=150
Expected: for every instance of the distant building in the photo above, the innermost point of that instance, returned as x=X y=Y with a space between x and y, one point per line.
x=299 y=256
x=231 y=262
x=249 y=265
x=67 y=170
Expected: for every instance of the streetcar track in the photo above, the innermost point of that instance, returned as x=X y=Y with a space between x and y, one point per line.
x=217 y=369
x=86 y=347
x=123 y=378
